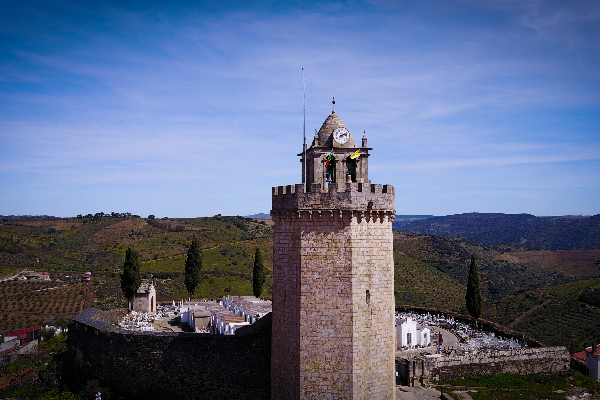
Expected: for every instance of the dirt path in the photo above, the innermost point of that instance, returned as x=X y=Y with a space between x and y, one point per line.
x=8 y=278
x=90 y=296
x=522 y=317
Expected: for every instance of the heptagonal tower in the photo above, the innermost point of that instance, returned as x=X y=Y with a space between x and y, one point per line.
x=333 y=276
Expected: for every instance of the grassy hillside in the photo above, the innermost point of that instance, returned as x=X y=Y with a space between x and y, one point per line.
x=429 y=271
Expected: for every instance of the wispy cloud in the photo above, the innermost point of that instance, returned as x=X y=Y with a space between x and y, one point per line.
x=212 y=97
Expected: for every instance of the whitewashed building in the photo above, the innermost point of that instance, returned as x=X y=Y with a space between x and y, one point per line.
x=407 y=334
x=592 y=362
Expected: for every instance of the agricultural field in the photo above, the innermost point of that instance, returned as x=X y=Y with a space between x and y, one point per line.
x=25 y=304
x=565 y=320
x=567 y=262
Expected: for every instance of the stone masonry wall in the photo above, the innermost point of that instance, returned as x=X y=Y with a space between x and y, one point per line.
x=333 y=303
x=152 y=365
x=359 y=197
x=546 y=360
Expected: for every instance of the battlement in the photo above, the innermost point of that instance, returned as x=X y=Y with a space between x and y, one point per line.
x=349 y=197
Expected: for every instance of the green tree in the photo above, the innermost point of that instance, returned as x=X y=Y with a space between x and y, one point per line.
x=131 y=277
x=258 y=274
x=473 y=296
x=193 y=265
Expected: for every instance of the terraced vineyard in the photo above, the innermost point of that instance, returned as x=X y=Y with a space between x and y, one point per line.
x=565 y=318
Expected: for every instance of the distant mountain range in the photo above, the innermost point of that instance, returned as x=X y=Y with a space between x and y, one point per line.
x=259 y=216
x=554 y=233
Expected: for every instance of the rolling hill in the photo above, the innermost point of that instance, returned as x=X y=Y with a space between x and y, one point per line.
x=430 y=271
x=554 y=233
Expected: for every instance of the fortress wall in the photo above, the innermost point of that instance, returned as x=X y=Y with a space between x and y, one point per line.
x=156 y=365
x=546 y=360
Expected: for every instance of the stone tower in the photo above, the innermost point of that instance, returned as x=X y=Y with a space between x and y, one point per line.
x=333 y=277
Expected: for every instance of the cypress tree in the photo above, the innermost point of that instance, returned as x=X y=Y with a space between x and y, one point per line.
x=130 y=278
x=473 y=296
x=258 y=274
x=193 y=265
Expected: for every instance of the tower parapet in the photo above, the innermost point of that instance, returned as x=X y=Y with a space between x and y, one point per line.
x=349 y=196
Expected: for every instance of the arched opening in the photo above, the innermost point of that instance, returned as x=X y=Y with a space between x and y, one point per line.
x=351 y=168
x=330 y=171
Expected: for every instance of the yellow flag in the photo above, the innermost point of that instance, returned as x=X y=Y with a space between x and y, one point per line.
x=355 y=155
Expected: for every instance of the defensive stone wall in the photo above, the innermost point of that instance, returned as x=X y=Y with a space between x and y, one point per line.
x=546 y=360
x=162 y=365
x=350 y=196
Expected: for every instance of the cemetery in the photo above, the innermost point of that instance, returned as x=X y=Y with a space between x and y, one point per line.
x=466 y=351
x=468 y=339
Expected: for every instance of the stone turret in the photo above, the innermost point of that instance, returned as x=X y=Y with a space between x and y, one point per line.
x=333 y=277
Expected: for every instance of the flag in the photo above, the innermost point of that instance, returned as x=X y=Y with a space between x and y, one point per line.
x=329 y=157
x=355 y=155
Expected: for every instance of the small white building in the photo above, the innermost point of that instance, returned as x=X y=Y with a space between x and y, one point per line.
x=592 y=361
x=407 y=334
x=145 y=298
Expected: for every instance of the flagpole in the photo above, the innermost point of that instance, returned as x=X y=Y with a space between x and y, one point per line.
x=304 y=177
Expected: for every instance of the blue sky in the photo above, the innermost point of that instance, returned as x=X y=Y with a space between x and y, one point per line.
x=187 y=110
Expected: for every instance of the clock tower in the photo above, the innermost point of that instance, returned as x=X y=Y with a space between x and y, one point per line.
x=333 y=276
x=344 y=164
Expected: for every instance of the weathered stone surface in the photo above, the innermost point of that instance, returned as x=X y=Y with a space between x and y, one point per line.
x=161 y=365
x=333 y=298
x=545 y=360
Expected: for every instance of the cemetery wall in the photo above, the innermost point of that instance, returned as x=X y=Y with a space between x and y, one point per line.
x=160 y=365
x=546 y=360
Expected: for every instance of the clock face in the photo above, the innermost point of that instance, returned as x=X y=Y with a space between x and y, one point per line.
x=341 y=135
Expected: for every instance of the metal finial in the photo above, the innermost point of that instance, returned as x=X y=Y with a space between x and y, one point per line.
x=333 y=102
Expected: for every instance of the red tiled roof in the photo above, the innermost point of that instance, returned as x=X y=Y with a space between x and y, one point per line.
x=23 y=332
x=579 y=357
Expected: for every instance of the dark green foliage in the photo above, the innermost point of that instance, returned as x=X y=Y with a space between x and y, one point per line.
x=258 y=274
x=590 y=297
x=91 y=387
x=193 y=265
x=473 y=296
x=130 y=278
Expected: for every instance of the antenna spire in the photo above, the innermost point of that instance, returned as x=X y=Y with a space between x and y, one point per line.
x=304 y=178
